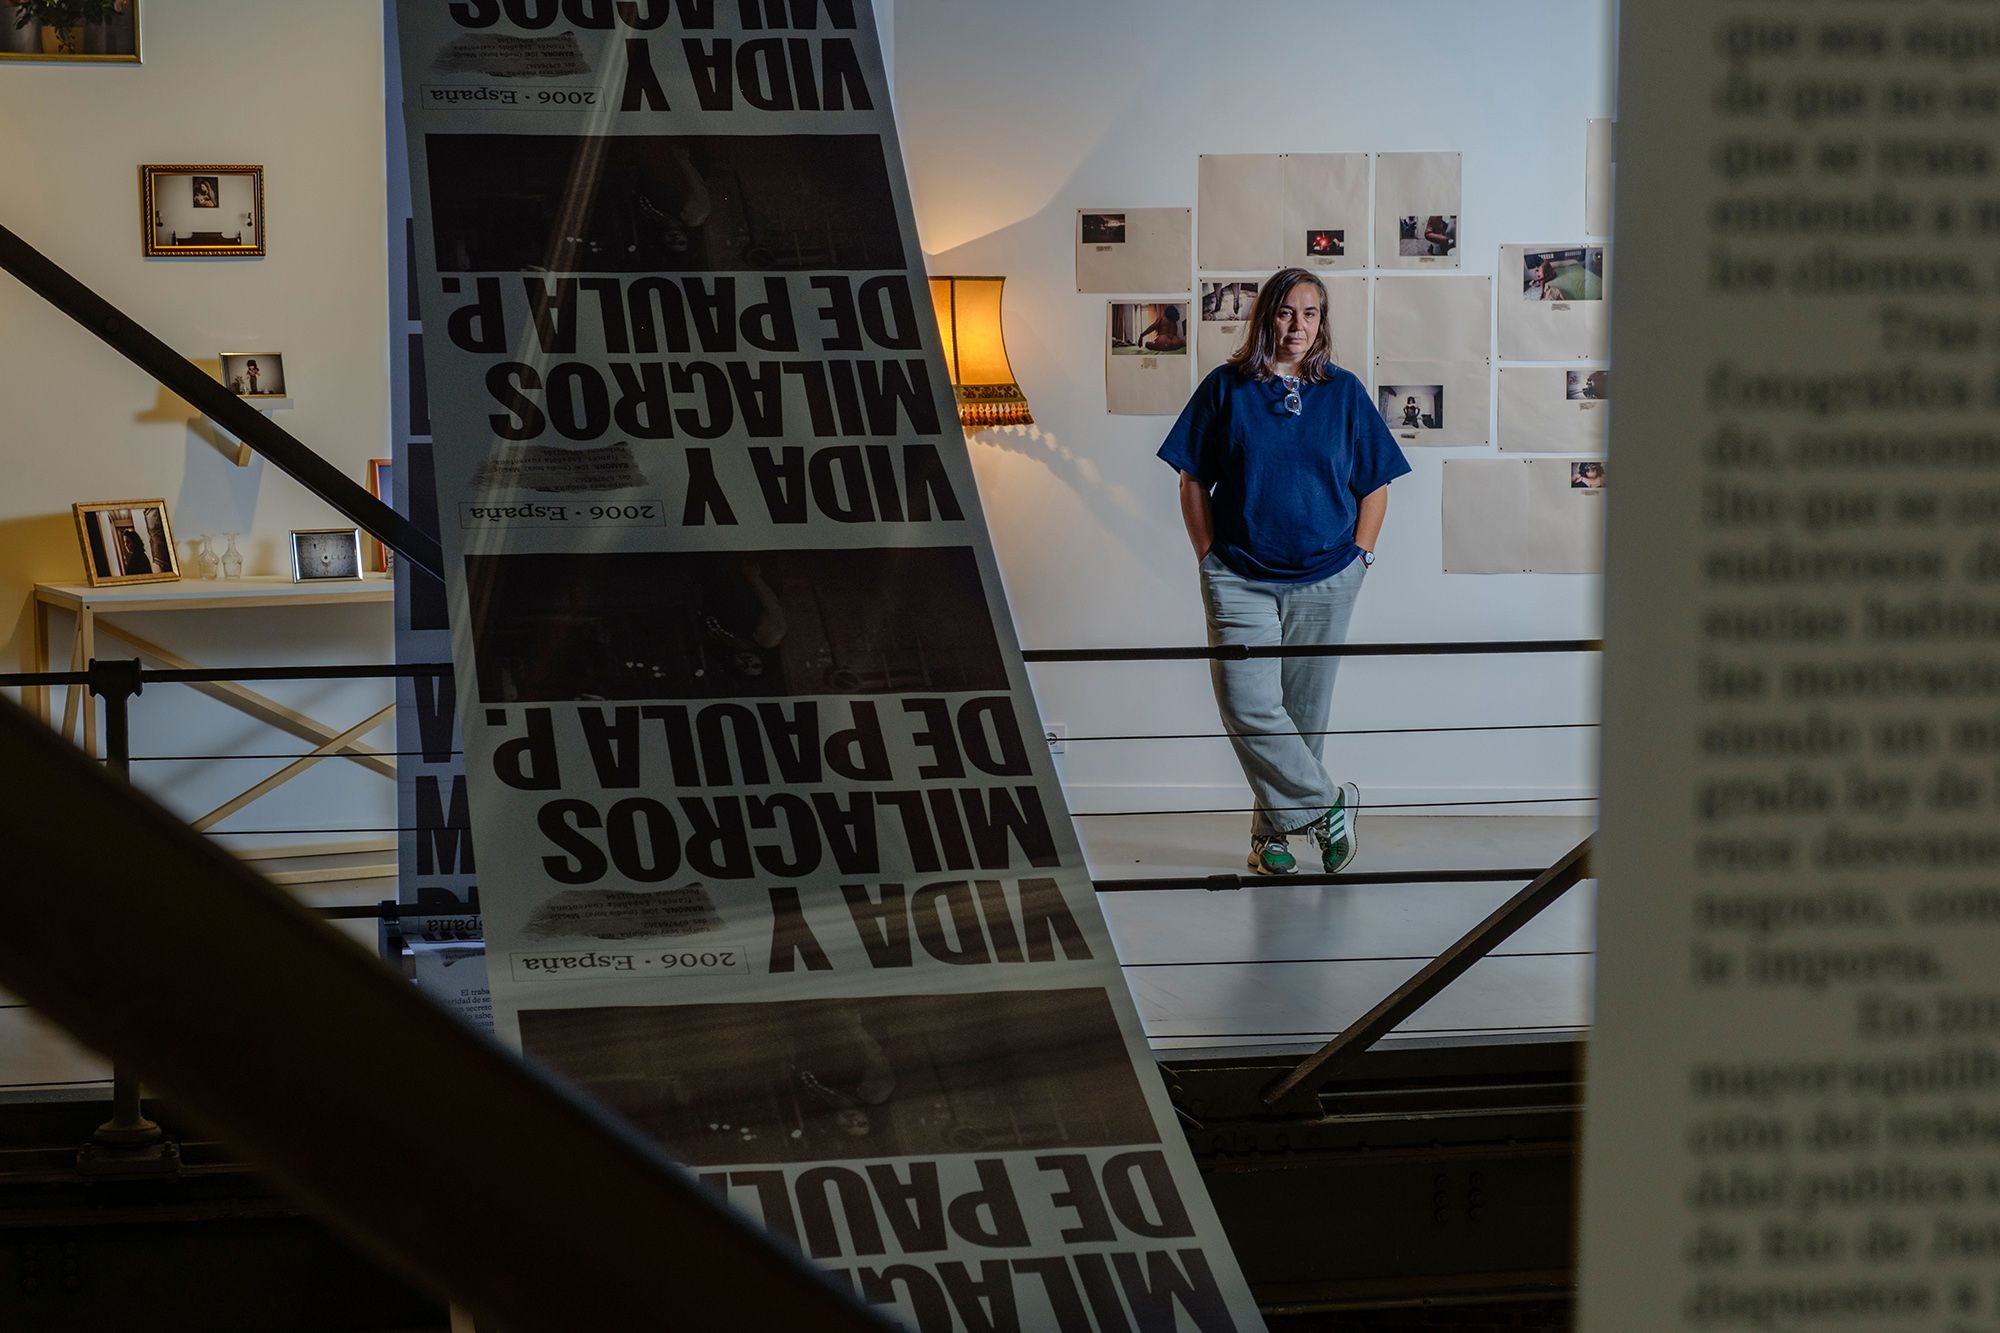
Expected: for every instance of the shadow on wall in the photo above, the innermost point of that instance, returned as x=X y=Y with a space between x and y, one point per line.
x=41 y=548
x=1115 y=508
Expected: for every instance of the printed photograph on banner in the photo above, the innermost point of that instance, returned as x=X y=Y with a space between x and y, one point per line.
x=1104 y=229
x=1149 y=328
x=1588 y=386
x=1412 y=407
x=847 y=1077
x=708 y=624
x=1227 y=302
x=1574 y=274
x=661 y=204
x=1586 y=476
x=1325 y=243
x=1427 y=234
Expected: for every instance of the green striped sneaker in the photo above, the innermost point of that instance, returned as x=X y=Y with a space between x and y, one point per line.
x=1334 y=830
x=1268 y=855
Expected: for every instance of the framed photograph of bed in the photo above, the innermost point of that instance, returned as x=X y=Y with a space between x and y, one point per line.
x=201 y=210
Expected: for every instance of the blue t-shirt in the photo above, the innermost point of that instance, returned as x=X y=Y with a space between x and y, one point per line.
x=1285 y=489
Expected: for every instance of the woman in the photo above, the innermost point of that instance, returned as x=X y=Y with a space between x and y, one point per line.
x=1164 y=333
x=1285 y=466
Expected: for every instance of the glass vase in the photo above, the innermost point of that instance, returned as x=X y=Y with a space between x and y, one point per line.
x=232 y=560
x=205 y=562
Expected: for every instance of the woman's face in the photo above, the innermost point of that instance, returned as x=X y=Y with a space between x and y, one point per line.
x=1297 y=321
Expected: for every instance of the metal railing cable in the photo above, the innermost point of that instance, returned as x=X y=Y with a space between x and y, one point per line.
x=1234 y=652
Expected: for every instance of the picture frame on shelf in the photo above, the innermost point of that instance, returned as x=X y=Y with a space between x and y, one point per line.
x=196 y=211
x=64 y=32
x=382 y=485
x=254 y=374
x=126 y=541
x=326 y=555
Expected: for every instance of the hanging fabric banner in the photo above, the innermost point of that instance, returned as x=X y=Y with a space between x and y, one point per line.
x=773 y=861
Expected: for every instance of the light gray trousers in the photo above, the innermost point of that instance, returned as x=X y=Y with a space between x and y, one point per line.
x=1266 y=702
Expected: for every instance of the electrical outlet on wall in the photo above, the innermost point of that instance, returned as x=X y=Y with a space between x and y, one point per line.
x=1057 y=735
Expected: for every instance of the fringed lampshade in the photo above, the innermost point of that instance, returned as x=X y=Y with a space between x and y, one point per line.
x=968 y=314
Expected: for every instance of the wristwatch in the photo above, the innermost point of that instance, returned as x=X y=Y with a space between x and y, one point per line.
x=1367 y=557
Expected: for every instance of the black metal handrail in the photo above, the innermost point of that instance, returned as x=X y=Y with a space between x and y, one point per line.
x=204 y=393
x=164 y=915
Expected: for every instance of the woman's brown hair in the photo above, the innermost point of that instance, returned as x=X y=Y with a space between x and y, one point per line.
x=1253 y=360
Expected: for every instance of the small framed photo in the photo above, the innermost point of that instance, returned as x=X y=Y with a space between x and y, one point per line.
x=322 y=555
x=202 y=210
x=254 y=374
x=126 y=541
x=382 y=485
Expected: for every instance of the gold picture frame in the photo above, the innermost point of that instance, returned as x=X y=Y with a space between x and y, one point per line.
x=176 y=200
x=126 y=541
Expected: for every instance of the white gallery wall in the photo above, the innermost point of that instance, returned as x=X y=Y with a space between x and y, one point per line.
x=1016 y=115
x=223 y=82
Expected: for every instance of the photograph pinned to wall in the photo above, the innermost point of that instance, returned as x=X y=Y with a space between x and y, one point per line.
x=70 y=31
x=1565 y=522
x=1434 y=319
x=1519 y=516
x=1225 y=316
x=1429 y=235
x=382 y=485
x=1228 y=300
x=1133 y=249
x=126 y=541
x=1323 y=219
x=1149 y=328
x=1541 y=412
x=1411 y=409
x=201 y=210
x=1146 y=357
x=326 y=555
x=1102 y=228
x=1573 y=274
x=1346 y=321
x=1562 y=310
x=1418 y=210
x=1598 y=166
x=254 y=374
x=1435 y=403
x=1239 y=198
x=1587 y=386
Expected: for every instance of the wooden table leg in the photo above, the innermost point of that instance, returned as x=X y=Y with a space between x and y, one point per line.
x=86 y=641
x=73 y=694
x=39 y=701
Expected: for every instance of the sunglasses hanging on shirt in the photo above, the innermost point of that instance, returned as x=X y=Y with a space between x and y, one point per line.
x=1293 y=403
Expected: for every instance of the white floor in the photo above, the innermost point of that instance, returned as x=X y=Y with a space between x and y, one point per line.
x=1283 y=965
